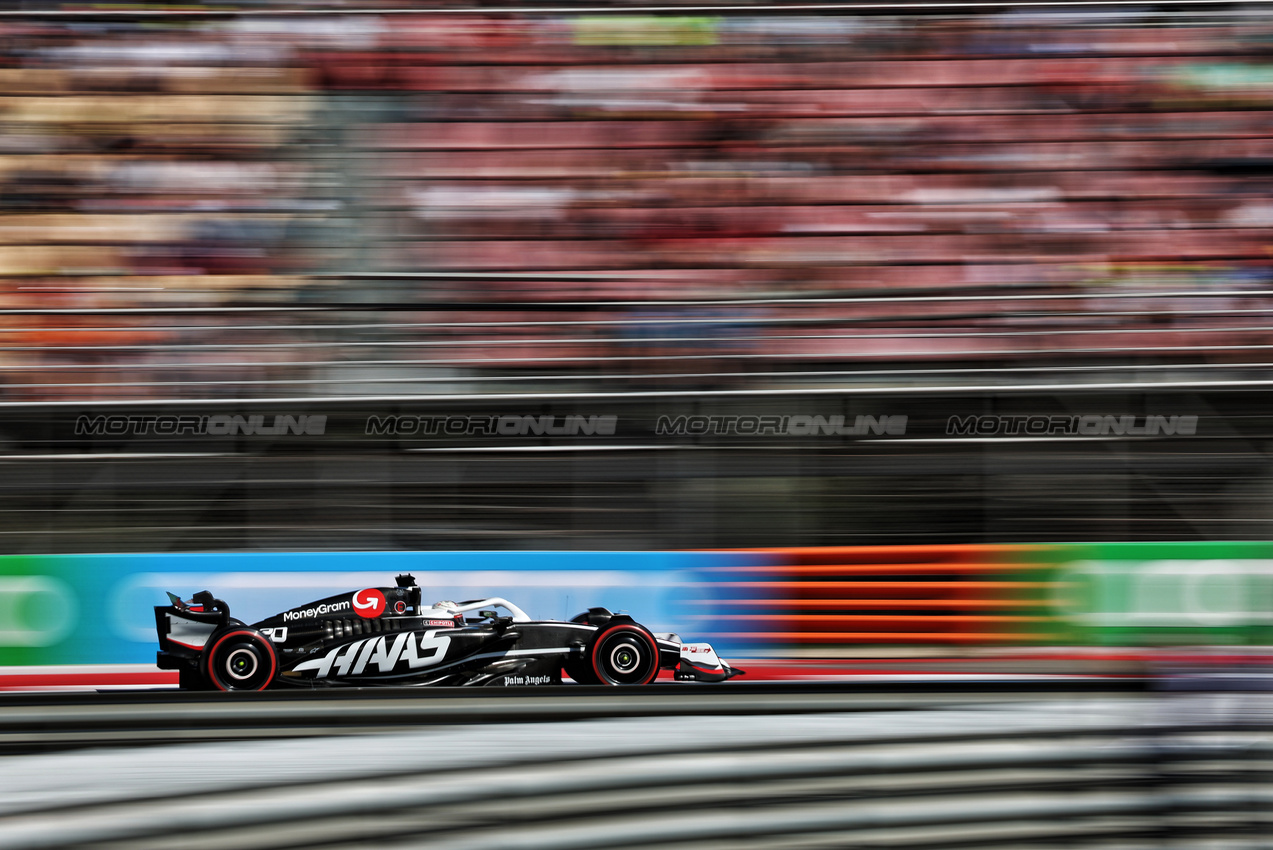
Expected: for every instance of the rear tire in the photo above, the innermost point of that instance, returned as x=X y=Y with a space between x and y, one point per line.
x=623 y=654
x=240 y=660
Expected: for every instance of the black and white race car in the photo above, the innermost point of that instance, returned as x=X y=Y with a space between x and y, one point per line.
x=385 y=636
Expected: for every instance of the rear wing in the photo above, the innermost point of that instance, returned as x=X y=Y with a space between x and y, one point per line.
x=184 y=628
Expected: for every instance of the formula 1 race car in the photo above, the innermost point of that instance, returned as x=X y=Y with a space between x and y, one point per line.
x=385 y=636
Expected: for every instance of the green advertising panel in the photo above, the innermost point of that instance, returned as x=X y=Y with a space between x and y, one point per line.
x=1153 y=594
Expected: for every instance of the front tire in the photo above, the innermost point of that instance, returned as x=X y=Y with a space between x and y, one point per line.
x=624 y=654
x=240 y=660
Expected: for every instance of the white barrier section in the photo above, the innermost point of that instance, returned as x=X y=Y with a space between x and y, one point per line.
x=1081 y=773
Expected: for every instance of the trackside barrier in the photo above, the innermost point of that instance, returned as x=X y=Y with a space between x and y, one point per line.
x=1092 y=775
x=81 y=611
x=1155 y=594
x=942 y=595
x=949 y=596
x=43 y=722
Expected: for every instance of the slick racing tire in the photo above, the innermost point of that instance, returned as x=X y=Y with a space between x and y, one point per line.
x=240 y=660
x=623 y=654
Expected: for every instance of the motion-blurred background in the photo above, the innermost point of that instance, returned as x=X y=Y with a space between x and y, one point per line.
x=809 y=284
x=866 y=342
x=501 y=213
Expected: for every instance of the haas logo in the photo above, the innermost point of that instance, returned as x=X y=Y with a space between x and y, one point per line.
x=369 y=603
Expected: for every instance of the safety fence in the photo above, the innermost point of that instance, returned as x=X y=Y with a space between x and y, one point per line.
x=1129 y=773
x=324 y=350
x=727 y=469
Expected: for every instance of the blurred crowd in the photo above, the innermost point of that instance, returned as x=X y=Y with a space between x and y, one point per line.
x=347 y=203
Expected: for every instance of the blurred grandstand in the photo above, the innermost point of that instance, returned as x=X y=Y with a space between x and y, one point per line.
x=349 y=204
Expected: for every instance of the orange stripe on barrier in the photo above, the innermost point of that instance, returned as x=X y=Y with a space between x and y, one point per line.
x=901 y=568
x=875 y=603
x=888 y=637
x=935 y=619
x=900 y=549
x=888 y=586
x=965 y=593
